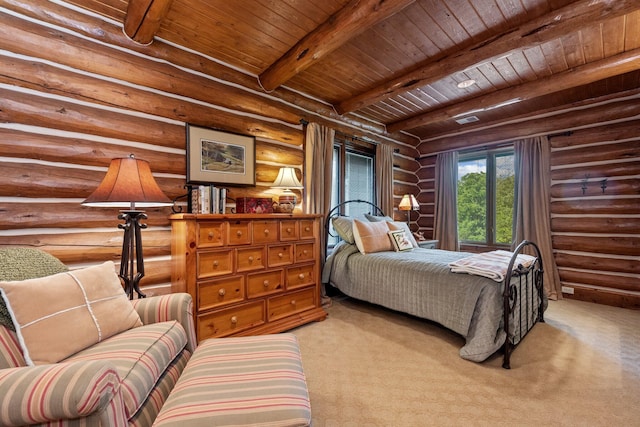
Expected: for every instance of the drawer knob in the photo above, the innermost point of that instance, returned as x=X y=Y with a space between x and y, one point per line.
x=211 y=235
x=265 y=283
x=215 y=263
x=250 y=259
x=289 y=230
x=304 y=252
x=234 y=319
x=280 y=254
x=300 y=276
x=293 y=302
x=222 y=292
x=266 y=231
x=307 y=228
x=239 y=233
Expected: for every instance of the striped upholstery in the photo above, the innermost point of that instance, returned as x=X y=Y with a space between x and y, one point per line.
x=169 y=307
x=69 y=390
x=242 y=381
x=149 y=410
x=10 y=351
x=140 y=355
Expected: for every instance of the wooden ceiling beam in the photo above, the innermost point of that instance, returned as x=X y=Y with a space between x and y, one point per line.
x=566 y=20
x=348 y=22
x=578 y=76
x=143 y=19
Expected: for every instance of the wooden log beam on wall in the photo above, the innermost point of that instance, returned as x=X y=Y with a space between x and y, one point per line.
x=585 y=116
x=144 y=17
x=543 y=29
x=356 y=17
x=578 y=76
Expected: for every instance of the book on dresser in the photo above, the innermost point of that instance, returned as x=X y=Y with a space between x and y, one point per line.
x=248 y=274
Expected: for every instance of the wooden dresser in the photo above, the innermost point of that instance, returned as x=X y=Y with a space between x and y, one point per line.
x=248 y=274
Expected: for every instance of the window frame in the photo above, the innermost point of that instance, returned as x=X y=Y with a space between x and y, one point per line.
x=345 y=146
x=491 y=220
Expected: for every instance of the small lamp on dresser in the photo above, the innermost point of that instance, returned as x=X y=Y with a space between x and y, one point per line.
x=408 y=203
x=130 y=185
x=287 y=180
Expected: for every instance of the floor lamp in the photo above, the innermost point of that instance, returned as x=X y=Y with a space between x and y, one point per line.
x=408 y=203
x=129 y=184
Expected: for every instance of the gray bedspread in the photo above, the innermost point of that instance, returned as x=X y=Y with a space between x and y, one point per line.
x=419 y=282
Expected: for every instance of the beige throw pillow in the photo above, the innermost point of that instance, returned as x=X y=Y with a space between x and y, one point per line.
x=371 y=236
x=59 y=315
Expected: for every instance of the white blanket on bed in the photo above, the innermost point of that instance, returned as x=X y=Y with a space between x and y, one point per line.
x=492 y=264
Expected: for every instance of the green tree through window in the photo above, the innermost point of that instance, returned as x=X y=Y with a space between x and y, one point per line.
x=485 y=197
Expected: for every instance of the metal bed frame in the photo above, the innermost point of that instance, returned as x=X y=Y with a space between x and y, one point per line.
x=520 y=289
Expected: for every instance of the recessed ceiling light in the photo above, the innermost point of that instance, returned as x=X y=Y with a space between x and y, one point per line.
x=466 y=83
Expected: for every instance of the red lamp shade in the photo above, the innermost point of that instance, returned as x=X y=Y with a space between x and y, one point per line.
x=128 y=183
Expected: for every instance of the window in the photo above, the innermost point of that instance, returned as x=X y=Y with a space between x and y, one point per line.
x=353 y=178
x=485 y=197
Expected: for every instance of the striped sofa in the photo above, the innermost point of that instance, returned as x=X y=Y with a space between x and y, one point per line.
x=151 y=374
x=121 y=381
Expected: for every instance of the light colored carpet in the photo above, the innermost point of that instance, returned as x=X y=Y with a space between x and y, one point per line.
x=368 y=366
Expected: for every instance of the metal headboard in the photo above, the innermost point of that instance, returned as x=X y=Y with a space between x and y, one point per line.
x=337 y=210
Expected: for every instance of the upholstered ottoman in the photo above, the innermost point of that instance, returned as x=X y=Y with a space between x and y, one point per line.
x=244 y=381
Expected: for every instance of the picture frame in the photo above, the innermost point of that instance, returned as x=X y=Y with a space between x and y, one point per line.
x=217 y=157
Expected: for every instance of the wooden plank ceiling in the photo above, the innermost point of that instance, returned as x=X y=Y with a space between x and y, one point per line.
x=399 y=62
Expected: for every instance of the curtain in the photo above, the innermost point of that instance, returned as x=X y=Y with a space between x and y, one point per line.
x=445 y=225
x=319 y=171
x=384 y=178
x=532 y=219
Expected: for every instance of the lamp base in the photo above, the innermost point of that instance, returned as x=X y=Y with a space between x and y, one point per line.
x=132 y=252
x=287 y=203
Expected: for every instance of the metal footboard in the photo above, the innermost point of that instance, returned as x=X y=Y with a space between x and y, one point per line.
x=523 y=299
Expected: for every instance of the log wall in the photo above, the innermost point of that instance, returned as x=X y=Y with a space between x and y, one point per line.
x=75 y=93
x=595 y=231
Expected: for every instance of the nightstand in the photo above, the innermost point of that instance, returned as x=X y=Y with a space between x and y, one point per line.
x=428 y=244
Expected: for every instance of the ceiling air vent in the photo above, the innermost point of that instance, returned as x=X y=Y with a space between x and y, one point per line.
x=465 y=120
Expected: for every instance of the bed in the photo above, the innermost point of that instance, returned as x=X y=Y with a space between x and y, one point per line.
x=489 y=313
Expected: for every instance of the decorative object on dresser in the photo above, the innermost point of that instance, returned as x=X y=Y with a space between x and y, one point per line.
x=128 y=183
x=408 y=203
x=287 y=180
x=248 y=274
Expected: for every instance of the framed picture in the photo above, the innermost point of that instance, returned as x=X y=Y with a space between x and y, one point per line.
x=215 y=157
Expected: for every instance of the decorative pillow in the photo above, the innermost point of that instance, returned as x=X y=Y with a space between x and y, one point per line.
x=373 y=218
x=397 y=225
x=399 y=240
x=25 y=263
x=344 y=227
x=59 y=315
x=371 y=236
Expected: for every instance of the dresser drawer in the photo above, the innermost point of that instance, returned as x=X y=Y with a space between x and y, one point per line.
x=214 y=263
x=293 y=302
x=279 y=255
x=288 y=230
x=239 y=232
x=230 y=320
x=219 y=292
x=265 y=232
x=259 y=284
x=307 y=229
x=211 y=234
x=248 y=259
x=300 y=276
x=305 y=252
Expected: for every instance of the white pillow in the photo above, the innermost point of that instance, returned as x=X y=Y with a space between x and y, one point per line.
x=399 y=240
x=397 y=225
